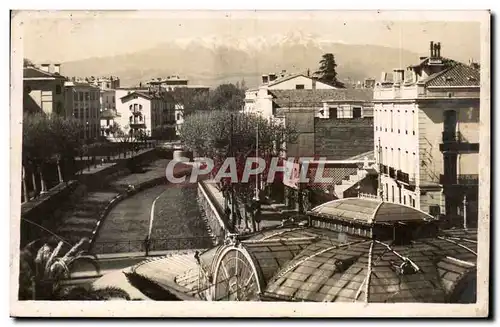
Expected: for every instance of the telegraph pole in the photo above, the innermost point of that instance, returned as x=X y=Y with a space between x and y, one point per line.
x=231 y=151
x=380 y=189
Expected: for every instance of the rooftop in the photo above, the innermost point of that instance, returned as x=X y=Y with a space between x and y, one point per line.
x=311 y=98
x=300 y=263
x=33 y=72
x=457 y=75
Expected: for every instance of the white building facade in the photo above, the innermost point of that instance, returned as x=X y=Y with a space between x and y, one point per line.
x=426 y=134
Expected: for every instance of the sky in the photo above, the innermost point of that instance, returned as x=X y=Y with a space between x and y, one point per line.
x=67 y=36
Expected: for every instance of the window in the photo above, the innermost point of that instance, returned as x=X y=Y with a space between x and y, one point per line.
x=393 y=193
x=406 y=120
x=333 y=113
x=404 y=200
x=87 y=96
x=87 y=112
x=387 y=192
x=130 y=119
x=135 y=106
x=414 y=121
x=400 y=160
x=399 y=188
x=140 y=107
x=178 y=116
x=398 y=122
x=58 y=89
x=299 y=86
x=113 y=99
x=392 y=121
x=75 y=96
x=356 y=112
x=385 y=114
x=80 y=96
x=130 y=107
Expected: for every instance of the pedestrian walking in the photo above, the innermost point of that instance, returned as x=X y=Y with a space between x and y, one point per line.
x=147 y=244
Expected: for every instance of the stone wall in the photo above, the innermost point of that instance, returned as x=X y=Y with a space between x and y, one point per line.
x=339 y=139
x=213 y=214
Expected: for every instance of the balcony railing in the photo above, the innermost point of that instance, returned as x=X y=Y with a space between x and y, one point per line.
x=405 y=177
x=455 y=142
x=462 y=179
x=384 y=169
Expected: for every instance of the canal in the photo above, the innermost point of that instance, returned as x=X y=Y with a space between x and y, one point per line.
x=177 y=223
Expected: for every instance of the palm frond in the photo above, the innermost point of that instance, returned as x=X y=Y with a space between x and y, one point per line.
x=53 y=255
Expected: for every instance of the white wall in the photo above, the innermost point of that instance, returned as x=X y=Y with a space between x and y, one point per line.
x=302 y=80
x=123 y=109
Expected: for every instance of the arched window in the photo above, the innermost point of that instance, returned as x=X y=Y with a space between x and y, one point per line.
x=140 y=118
x=140 y=107
x=130 y=107
x=178 y=116
x=130 y=119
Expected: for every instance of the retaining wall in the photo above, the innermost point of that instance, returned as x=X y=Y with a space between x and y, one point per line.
x=213 y=213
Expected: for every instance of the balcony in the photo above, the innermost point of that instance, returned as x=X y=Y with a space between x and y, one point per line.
x=405 y=178
x=384 y=169
x=392 y=172
x=459 y=180
x=455 y=142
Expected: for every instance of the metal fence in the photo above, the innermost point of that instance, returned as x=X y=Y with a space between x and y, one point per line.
x=183 y=243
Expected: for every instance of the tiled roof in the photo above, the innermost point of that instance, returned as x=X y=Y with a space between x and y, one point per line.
x=458 y=75
x=33 y=72
x=297 y=263
x=136 y=93
x=369 y=211
x=314 y=98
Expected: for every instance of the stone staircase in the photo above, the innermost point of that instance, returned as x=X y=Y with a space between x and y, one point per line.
x=351 y=181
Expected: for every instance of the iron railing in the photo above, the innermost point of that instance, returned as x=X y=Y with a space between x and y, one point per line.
x=461 y=179
x=183 y=243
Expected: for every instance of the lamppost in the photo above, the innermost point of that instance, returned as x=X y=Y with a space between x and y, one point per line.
x=465 y=211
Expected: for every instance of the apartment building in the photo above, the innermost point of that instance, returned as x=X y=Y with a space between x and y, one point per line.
x=256 y=98
x=44 y=90
x=145 y=110
x=427 y=135
x=84 y=101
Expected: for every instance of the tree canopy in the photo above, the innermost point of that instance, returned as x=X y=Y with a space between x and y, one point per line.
x=227 y=97
x=47 y=135
x=327 y=72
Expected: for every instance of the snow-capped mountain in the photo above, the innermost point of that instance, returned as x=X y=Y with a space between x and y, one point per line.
x=225 y=58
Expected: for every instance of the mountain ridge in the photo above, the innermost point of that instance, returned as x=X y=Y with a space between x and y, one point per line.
x=227 y=59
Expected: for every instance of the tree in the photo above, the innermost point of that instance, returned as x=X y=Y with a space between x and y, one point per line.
x=42 y=268
x=48 y=138
x=227 y=97
x=222 y=134
x=124 y=135
x=327 y=72
x=27 y=62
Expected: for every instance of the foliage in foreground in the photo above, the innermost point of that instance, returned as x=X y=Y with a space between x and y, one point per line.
x=42 y=268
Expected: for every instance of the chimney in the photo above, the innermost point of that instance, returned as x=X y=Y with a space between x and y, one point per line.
x=438 y=47
x=398 y=75
x=383 y=77
x=45 y=67
x=265 y=79
x=308 y=72
x=272 y=77
x=432 y=49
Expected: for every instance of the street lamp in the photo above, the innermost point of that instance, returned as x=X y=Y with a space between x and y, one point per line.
x=465 y=211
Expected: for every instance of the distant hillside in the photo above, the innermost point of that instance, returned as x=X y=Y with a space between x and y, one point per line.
x=214 y=61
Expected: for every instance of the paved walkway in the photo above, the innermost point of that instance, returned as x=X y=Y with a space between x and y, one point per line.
x=108 y=163
x=80 y=220
x=271 y=214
